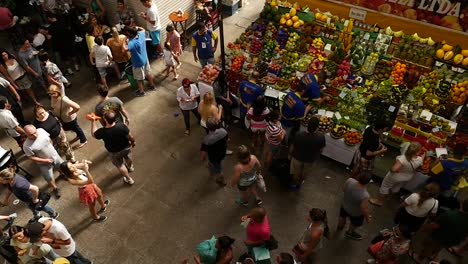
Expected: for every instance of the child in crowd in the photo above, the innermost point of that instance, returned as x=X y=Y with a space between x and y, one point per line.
x=169 y=57
x=101 y=56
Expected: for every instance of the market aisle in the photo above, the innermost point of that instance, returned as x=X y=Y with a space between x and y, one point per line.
x=174 y=204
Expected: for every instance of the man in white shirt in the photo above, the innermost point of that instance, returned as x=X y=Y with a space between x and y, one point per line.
x=9 y=123
x=102 y=56
x=7 y=90
x=38 y=148
x=53 y=232
x=153 y=24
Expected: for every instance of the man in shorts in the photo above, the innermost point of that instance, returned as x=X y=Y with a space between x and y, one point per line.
x=101 y=56
x=38 y=148
x=306 y=149
x=107 y=103
x=355 y=205
x=139 y=57
x=118 y=142
x=213 y=147
x=152 y=24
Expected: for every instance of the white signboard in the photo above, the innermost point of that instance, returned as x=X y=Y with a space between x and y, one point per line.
x=357 y=14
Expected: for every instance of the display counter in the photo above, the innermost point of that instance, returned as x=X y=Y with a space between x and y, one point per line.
x=338 y=150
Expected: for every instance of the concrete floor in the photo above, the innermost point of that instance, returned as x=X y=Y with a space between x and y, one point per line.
x=174 y=204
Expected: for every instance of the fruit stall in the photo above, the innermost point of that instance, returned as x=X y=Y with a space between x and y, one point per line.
x=365 y=71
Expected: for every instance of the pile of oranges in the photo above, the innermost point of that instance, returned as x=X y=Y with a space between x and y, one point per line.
x=398 y=73
x=460 y=92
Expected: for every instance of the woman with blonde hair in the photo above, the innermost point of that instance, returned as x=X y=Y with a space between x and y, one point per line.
x=208 y=109
x=118 y=46
x=65 y=110
x=78 y=174
x=402 y=171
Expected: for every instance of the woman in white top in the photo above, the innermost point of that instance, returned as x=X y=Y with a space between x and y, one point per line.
x=187 y=96
x=402 y=171
x=16 y=74
x=418 y=206
x=66 y=109
x=78 y=174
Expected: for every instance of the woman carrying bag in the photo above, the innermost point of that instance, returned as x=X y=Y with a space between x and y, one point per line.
x=402 y=171
x=66 y=109
x=417 y=207
x=389 y=250
x=312 y=239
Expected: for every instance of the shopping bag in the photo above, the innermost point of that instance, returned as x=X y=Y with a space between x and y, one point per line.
x=261 y=183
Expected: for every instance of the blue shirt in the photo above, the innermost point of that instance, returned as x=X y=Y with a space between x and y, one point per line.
x=137 y=48
x=450 y=171
x=248 y=92
x=204 y=44
x=312 y=87
x=292 y=111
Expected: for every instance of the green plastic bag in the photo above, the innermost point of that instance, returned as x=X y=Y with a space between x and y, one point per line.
x=207 y=251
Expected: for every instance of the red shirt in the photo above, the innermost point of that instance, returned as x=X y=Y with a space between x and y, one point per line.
x=258 y=231
x=6 y=18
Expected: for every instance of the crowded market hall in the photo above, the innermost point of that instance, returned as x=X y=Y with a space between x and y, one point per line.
x=234 y=131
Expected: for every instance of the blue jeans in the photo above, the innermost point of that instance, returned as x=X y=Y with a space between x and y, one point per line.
x=204 y=62
x=49 y=210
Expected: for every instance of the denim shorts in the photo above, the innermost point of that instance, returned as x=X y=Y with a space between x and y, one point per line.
x=215 y=167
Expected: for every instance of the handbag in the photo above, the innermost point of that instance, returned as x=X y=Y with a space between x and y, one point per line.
x=261 y=183
x=272 y=243
x=44 y=198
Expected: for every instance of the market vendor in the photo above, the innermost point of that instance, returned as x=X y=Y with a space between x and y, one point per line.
x=312 y=92
x=370 y=148
x=248 y=92
x=293 y=111
x=447 y=171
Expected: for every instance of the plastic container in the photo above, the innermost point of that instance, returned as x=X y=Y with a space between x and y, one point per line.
x=131 y=80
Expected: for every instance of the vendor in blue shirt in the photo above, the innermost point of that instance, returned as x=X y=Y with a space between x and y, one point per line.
x=248 y=91
x=447 y=171
x=293 y=111
x=312 y=92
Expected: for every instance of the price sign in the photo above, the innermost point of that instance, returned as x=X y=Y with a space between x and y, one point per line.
x=338 y=115
x=329 y=114
x=435 y=129
x=346 y=117
x=343 y=95
x=410 y=98
x=391 y=109
x=438 y=63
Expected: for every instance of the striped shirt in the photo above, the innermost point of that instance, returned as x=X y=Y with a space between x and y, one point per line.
x=258 y=122
x=273 y=131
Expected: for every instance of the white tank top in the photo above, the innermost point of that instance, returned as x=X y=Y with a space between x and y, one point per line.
x=15 y=70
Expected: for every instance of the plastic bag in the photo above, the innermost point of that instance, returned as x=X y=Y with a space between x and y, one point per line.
x=261 y=183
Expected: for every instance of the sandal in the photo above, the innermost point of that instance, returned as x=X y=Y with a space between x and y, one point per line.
x=103 y=209
x=452 y=251
x=375 y=202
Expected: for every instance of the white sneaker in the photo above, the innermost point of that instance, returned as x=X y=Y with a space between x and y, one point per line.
x=128 y=181
x=228 y=152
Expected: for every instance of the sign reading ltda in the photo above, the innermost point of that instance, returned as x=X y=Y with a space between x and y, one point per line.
x=444 y=6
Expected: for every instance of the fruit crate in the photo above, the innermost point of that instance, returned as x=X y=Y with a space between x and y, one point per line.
x=419 y=132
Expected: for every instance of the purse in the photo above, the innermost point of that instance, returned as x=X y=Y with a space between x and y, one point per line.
x=44 y=198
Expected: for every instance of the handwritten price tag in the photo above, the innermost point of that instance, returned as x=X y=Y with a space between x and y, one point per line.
x=343 y=95
x=435 y=129
x=391 y=109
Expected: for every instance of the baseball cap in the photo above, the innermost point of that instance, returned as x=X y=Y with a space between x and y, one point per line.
x=35 y=231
